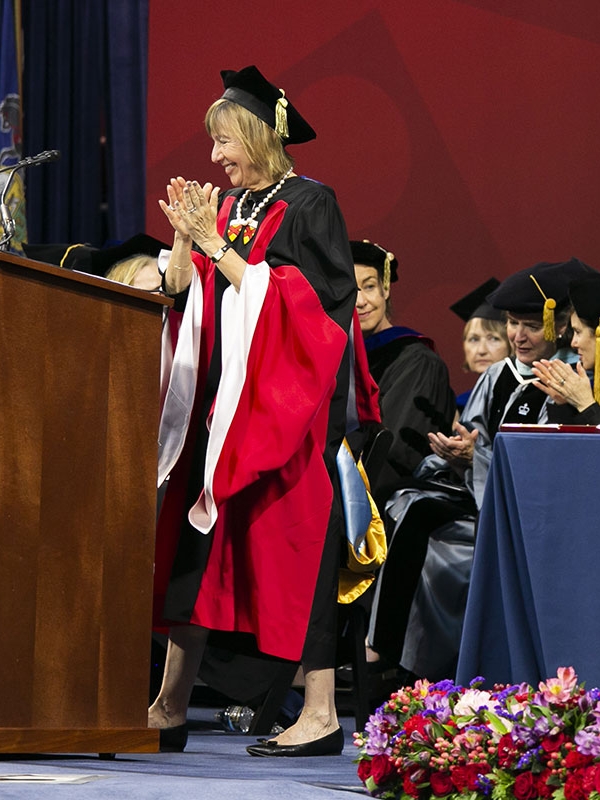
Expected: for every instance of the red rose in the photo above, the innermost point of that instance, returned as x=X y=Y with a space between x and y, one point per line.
x=441 y=783
x=409 y=786
x=575 y=759
x=459 y=777
x=525 y=786
x=416 y=723
x=411 y=780
x=589 y=779
x=552 y=743
x=381 y=769
x=474 y=771
x=574 y=786
x=506 y=751
x=543 y=789
x=364 y=770
x=466 y=777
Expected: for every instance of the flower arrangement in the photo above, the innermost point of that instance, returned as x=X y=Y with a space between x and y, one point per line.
x=439 y=740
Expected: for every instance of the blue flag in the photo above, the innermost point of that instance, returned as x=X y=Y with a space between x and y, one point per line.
x=11 y=119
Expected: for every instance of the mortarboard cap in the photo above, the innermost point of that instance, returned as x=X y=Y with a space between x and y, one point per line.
x=475 y=304
x=94 y=260
x=526 y=290
x=585 y=296
x=372 y=255
x=541 y=289
x=250 y=89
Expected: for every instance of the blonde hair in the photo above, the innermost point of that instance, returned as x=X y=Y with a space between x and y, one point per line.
x=261 y=144
x=496 y=326
x=126 y=270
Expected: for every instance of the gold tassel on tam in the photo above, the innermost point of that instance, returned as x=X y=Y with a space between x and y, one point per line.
x=386 y=272
x=281 y=123
x=597 y=367
x=548 y=314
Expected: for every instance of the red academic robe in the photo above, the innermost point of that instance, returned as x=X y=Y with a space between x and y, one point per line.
x=267 y=495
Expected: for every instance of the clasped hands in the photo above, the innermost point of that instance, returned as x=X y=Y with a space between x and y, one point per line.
x=563 y=384
x=458 y=449
x=192 y=211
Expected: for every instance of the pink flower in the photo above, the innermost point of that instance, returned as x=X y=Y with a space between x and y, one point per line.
x=559 y=689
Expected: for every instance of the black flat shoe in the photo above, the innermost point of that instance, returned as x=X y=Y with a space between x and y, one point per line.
x=330 y=745
x=173 y=740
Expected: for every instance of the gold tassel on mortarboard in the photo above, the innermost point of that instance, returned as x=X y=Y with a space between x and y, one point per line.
x=597 y=367
x=387 y=265
x=281 y=123
x=548 y=314
x=387 y=270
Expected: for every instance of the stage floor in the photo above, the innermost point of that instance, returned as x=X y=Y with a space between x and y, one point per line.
x=214 y=765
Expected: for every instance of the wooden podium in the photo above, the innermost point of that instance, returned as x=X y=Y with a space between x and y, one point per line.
x=79 y=409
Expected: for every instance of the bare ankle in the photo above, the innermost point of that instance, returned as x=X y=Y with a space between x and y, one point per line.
x=161 y=714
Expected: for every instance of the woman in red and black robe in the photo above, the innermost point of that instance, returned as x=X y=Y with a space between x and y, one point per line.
x=249 y=532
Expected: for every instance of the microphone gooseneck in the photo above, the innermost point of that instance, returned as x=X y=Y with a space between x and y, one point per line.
x=8 y=222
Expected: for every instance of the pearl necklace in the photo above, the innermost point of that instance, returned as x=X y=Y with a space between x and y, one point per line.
x=249 y=223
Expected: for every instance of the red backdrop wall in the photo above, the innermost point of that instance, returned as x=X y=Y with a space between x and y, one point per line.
x=460 y=134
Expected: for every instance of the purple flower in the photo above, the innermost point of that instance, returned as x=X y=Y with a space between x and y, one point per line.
x=530 y=736
x=588 y=741
x=445 y=686
x=378 y=744
x=439 y=706
x=478 y=681
x=378 y=740
x=527 y=758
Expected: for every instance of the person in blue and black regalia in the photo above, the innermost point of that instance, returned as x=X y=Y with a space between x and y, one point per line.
x=574 y=390
x=414 y=389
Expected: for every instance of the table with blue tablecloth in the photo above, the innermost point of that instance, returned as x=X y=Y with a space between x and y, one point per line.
x=534 y=597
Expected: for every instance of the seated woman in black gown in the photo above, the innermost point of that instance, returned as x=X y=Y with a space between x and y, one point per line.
x=415 y=396
x=576 y=392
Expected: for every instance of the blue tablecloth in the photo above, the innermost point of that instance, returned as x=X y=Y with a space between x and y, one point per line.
x=534 y=598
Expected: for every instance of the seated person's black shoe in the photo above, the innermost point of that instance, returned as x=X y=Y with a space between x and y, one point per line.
x=173 y=740
x=330 y=745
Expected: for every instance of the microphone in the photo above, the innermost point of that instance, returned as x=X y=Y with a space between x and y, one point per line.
x=33 y=161
x=8 y=223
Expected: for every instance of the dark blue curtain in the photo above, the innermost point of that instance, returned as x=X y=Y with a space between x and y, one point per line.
x=84 y=92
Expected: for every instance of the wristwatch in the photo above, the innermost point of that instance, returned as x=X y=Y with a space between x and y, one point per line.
x=216 y=257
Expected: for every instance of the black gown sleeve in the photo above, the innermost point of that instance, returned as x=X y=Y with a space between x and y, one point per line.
x=568 y=415
x=313 y=237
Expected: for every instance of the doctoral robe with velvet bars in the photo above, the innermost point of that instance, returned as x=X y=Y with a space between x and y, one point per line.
x=245 y=516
